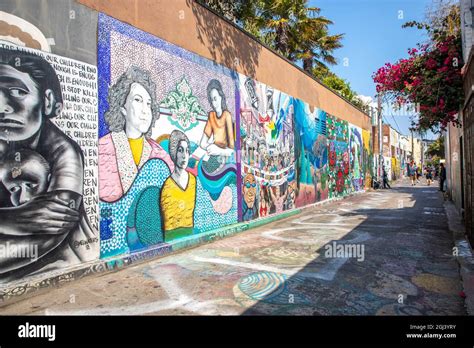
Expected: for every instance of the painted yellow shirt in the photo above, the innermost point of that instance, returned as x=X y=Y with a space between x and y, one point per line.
x=136 y=145
x=177 y=205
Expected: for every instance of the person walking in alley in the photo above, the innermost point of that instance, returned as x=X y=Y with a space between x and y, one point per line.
x=412 y=173
x=429 y=175
x=385 y=179
x=417 y=173
x=442 y=176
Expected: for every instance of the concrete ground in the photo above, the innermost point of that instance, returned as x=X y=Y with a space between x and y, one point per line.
x=392 y=256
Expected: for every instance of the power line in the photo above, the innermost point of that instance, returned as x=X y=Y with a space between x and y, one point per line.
x=398 y=128
x=396 y=123
x=386 y=121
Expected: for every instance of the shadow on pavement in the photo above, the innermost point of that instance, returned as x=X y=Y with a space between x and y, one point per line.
x=397 y=261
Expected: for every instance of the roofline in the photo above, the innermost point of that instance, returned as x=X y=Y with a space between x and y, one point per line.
x=280 y=55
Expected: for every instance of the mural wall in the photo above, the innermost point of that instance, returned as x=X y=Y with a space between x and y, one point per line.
x=154 y=145
x=311 y=153
x=340 y=183
x=368 y=158
x=357 y=170
x=268 y=160
x=294 y=154
x=167 y=128
x=48 y=162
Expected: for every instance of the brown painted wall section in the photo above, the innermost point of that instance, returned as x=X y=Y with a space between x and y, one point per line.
x=189 y=25
x=453 y=164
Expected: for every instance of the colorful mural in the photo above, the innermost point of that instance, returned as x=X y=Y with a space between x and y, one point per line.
x=368 y=157
x=167 y=142
x=267 y=160
x=357 y=170
x=311 y=153
x=339 y=157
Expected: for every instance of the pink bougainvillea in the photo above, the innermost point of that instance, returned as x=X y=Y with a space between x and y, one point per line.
x=430 y=78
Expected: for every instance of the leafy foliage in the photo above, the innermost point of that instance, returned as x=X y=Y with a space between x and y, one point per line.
x=290 y=27
x=431 y=76
x=436 y=148
x=338 y=85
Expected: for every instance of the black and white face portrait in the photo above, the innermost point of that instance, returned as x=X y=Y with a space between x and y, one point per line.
x=137 y=109
x=21 y=105
x=182 y=155
x=26 y=178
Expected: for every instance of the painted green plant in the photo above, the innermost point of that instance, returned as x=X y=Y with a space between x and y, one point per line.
x=184 y=106
x=324 y=178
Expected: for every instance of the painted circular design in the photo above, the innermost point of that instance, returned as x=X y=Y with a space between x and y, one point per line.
x=262 y=285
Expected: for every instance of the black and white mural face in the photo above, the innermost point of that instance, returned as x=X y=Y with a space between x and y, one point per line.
x=48 y=162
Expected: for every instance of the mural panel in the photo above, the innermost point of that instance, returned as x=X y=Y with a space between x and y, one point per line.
x=339 y=158
x=368 y=157
x=311 y=153
x=48 y=162
x=268 y=161
x=167 y=142
x=356 y=155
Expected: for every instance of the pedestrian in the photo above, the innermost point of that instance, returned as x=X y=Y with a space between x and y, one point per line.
x=418 y=173
x=385 y=179
x=375 y=183
x=412 y=173
x=429 y=175
x=442 y=176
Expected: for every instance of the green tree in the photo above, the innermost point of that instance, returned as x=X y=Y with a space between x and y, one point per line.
x=436 y=148
x=338 y=85
x=290 y=27
x=298 y=32
x=226 y=8
x=442 y=20
x=242 y=12
x=312 y=43
x=341 y=86
x=293 y=29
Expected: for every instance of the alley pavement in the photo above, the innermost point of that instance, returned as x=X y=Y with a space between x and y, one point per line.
x=384 y=252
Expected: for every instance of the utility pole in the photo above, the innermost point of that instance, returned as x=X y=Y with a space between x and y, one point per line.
x=412 y=146
x=379 y=119
x=422 y=148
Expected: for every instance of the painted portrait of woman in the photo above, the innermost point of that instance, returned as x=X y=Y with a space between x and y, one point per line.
x=219 y=126
x=130 y=118
x=178 y=195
